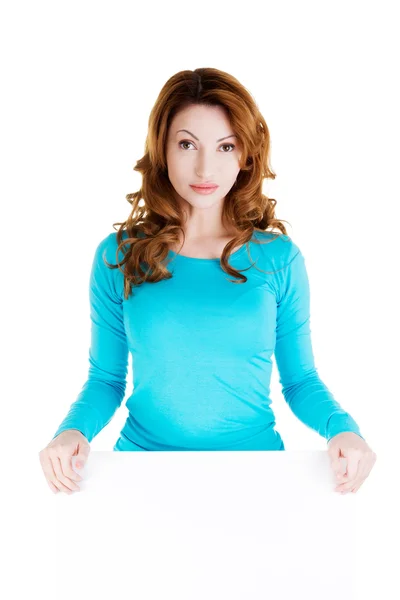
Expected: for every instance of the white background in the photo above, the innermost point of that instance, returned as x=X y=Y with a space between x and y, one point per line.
x=79 y=80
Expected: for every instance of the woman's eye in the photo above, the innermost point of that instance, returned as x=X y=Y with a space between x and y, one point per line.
x=180 y=143
x=222 y=145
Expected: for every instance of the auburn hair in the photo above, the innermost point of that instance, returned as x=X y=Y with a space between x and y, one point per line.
x=156 y=217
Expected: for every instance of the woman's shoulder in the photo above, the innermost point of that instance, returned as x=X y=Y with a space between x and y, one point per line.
x=106 y=250
x=110 y=241
x=278 y=249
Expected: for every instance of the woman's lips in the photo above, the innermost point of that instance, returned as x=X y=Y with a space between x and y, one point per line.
x=204 y=189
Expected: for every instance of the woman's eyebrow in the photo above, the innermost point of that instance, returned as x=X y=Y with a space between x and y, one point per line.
x=196 y=138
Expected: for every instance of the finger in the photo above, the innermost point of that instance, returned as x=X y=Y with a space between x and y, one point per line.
x=336 y=467
x=52 y=477
x=52 y=487
x=353 y=463
x=65 y=479
x=48 y=471
x=347 y=484
x=62 y=480
x=365 y=471
x=362 y=473
x=83 y=455
x=67 y=469
x=346 y=487
x=352 y=468
x=337 y=471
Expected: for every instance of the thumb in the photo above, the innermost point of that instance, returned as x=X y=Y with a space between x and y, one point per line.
x=337 y=467
x=335 y=460
x=82 y=457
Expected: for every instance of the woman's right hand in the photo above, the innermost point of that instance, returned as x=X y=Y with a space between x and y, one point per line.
x=56 y=460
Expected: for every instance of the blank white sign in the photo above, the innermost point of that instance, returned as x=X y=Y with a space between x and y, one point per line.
x=206 y=525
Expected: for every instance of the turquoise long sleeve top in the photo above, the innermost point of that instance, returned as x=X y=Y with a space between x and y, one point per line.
x=202 y=350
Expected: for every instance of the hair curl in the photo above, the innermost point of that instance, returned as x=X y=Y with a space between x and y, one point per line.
x=154 y=224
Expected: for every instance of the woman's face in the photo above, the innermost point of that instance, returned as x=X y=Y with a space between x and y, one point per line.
x=200 y=155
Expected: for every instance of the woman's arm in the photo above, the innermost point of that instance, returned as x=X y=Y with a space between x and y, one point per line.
x=104 y=388
x=307 y=396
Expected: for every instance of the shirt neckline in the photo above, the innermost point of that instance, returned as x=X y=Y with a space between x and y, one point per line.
x=237 y=252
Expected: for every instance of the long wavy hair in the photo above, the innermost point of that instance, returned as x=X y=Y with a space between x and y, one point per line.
x=157 y=217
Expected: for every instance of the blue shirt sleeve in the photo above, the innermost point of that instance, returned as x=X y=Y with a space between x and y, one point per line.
x=307 y=396
x=104 y=389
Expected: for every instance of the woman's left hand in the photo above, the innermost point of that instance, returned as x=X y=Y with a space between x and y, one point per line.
x=360 y=460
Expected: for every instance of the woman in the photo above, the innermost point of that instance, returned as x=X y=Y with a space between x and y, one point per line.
x=202 y=293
